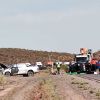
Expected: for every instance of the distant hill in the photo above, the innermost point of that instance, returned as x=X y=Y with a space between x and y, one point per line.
x=15 y=55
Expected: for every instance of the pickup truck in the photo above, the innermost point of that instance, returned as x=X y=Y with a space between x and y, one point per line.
x=25 y=69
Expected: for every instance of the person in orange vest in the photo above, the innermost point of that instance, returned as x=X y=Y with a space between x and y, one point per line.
x=93 y=64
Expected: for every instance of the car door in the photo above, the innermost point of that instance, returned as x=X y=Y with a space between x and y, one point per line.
x=22 y=68
x=14 y=70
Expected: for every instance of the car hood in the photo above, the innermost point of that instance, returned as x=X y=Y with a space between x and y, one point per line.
x=3 y=66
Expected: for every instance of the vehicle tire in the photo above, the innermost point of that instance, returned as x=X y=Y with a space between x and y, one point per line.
x=7 y=74
x=78 y=72
x=30 y=73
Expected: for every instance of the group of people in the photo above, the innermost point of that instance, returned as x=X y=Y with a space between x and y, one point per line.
x=58 y=67
x=96 y=64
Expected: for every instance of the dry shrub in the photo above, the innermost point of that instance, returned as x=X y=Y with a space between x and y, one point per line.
x=2 y=81
x=49 y=90
x=75 y=82
x=91 y=91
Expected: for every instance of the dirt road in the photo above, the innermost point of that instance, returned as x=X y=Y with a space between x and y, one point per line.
x=44 y=86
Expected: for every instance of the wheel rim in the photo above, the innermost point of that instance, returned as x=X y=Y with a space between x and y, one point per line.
x=30 y=73
x=7 y=74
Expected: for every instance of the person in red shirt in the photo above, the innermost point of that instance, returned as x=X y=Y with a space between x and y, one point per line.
x=93 y=64
x=98 y=67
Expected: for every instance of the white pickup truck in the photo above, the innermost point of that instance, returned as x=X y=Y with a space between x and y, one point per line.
x=25 y=69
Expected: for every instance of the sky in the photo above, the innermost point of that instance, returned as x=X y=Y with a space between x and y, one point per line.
x=50 y=25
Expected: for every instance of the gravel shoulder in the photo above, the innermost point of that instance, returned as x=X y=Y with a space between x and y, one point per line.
x=44 y=86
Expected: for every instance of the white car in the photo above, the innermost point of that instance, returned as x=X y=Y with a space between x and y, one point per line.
x=25 y=69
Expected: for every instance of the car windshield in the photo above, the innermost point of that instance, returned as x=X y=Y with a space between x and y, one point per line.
x=81 y=59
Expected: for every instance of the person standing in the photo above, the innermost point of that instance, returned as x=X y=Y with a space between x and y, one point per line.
x=98 y=67
x=58 y=68
x=93 y=64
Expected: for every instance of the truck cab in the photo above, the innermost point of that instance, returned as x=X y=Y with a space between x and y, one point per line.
x=81 y=58
x=82 y=61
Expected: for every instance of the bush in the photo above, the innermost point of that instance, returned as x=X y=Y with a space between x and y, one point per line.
x=65 y=68
x=91 y=91
x=2 y=81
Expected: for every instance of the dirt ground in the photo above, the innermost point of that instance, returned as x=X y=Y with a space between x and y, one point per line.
x=44 y=86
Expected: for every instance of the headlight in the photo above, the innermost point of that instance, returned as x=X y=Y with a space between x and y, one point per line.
x=78 y=64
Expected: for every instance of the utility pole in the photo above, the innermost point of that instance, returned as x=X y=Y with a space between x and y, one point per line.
x=52 y=69
x=49 y=57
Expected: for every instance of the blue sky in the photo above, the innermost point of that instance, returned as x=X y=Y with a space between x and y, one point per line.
x=50 y=25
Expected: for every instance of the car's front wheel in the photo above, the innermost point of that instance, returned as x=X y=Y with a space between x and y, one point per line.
x=7 y=74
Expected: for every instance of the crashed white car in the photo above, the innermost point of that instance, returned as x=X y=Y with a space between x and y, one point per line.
x=25 y=69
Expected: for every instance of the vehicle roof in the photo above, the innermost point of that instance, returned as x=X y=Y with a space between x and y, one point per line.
x=81 y=55
x=22 y=63
x=14 y=65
